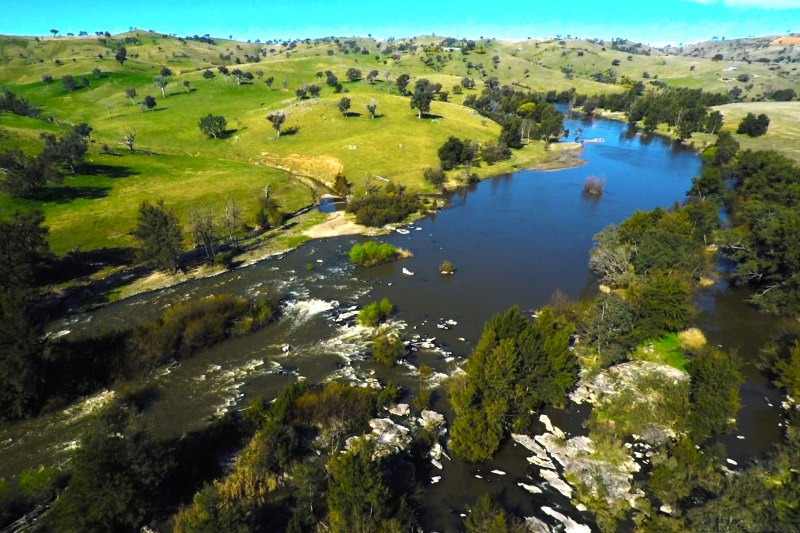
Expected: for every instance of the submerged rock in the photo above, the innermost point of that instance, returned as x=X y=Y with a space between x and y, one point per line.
x=533 y=489
x=534 y=525
x=570 y=525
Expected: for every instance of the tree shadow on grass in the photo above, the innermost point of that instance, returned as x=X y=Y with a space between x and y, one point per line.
x=429 y=115
x=61 y=194
x=290 y=131
x=94 y=169
x=352 y=114
x=227 y=133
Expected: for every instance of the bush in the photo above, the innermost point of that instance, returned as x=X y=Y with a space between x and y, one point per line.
x=372 y=253
x=384 y=207
x=594 y=186
x=492 y=153
x=374 y=313
x=387 y=349
x=753 y=126
x=213 y=126
x=434 y=176
x=447 y=267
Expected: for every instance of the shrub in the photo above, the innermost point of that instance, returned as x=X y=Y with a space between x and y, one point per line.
x=492 y=153
x=387 y=349
x=383 y=207
x=372 y=253
x=435 y=176
x=374 y=313
x=447 y=267
x=594 y=186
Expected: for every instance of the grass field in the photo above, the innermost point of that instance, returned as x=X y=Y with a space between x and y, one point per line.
x=783 y=134
x=666 y=351
x=175 y=161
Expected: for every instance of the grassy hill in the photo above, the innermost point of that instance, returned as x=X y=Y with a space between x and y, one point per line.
x=173 y=160
x=784 y=126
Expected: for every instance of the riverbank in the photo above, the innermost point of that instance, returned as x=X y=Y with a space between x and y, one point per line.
x=698 y=141
x=310 y=224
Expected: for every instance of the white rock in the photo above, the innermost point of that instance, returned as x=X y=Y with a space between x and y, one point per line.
x=533 y=489
x=478 y=476
x=436 y=479
x=579 y=506
x=544 y=419
x=731 y=462
x=400 y=409
x=534 y=525
x=666 y=509
x=570 y=525
x=407 y=272
x=498 y=472
x=556 y=482
x=436 y=463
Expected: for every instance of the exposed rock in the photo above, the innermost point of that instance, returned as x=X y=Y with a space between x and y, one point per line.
x=533 y=489
x=556 y=482
x=498 y=472
x=429 y=419
x=570 y=525
x=534 y=525
x=400 y=409
x=435 y=479
x=666 y=509
x=544 y=419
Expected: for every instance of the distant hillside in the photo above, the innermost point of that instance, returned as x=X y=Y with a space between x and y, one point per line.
x=175 y=161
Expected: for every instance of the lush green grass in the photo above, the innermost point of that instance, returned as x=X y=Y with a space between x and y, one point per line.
x=783 y=134
x=175 y=161
x=665 y=350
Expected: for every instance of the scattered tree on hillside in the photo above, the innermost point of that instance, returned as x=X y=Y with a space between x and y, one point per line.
x=372 y=107
x=753 y=125
x=207 y=74
x=241 y=76
x=422 y=97
x=47 y=78
x=277 y=118
x=129 y=139
x=344 y=105
x=149 y=102
x=165 y=72
x=313 y=90
x=402 y=83
x=122 y=55
x=161 y=82
x=131 y=93
x=353 y=74
x=371 y=76
x=268 y=82
x=159 y=232
x=97 y=72
x=185 y=84
x=301 y=92
x=69 y=83
x=213 y=125
x=54 y=32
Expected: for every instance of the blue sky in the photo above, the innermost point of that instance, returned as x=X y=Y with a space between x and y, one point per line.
x=654 y=21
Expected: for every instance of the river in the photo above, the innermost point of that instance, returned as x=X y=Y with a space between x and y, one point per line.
x=514 y=239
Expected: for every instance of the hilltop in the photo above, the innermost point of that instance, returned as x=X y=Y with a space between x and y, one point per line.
x=173 y=160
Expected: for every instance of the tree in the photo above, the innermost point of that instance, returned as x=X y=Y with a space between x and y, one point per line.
x=20 y=349
x=202 y=225
x=353 y=74
x=97 y=72
x=161 y=82
x=371 y=76
x=26 y=176
x=331 y=79
x=277 y=118
x=185 y=84
x=313 y=90
x=129 y=139
x=713 y=393
x=23 y=248
x=69 y=83
x=301 y=92
x=241 y=76
x=268 y=82
x=121 y=56
x=372 y=106
x=213 y=125
x=166 y=72
x=753 y=126
x=207 y=74
x=131 y=93
x=149 y=102
x=344 y=106
x=357 y=495
x=713 y=122
x=159 y=232
x=67 y=150
x=402 y=83
x=54 y=32
x=422 y=97
x=341 y=186
x=47 y=78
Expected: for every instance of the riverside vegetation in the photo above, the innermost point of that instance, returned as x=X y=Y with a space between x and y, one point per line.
x=297 y=464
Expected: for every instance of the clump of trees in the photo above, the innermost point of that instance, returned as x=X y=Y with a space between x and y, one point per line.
x=374 y=313
x=753 y=126
x=593 y=186
x=17 y=105
x=516 y=367
x=380 y=207
x=372 y=253
x=27 y=176
x=456 y=152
